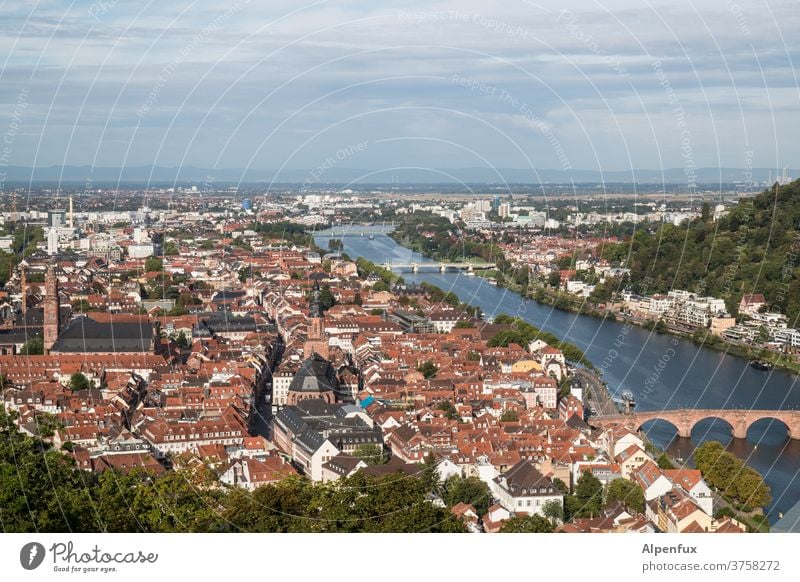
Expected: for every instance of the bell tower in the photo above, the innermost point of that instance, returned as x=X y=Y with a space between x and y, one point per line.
x=51 y=315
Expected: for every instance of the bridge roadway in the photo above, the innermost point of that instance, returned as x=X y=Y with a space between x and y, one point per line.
x=684 y=419
x=415 y=267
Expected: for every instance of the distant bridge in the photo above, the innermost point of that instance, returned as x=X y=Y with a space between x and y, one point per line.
x=442 y=267
x=685 y=419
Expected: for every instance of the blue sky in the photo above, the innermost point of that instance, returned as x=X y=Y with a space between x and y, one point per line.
x=591 y=85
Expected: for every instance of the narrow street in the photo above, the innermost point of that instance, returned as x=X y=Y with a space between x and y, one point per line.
x=596 y=395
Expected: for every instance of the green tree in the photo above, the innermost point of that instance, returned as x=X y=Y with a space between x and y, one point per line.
x=705 y=212
x=33 y=347
x=153 y=265
x=627 y=492
x=509 y=415
x=589 y=493
x=326 y=298
x=664 y=462
x=751 y=489
x=450 y=410
x=78 y=382
x=371 y=454
x=561 y=486
x=730 y=475
x=471 y=490
x=554 y=511
x=428 y=369
x=527 y=524
x=182 y=341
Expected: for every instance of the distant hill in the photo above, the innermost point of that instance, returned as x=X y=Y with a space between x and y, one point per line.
x=339 y=175
x=754 y=249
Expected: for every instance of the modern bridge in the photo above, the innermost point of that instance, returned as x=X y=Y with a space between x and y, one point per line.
x=416 y=267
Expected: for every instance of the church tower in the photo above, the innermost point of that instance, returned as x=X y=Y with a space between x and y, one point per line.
x=23 y=286
x=316 y=341
x=51 y=315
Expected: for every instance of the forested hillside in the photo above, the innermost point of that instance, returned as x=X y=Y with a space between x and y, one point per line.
x=754 y=249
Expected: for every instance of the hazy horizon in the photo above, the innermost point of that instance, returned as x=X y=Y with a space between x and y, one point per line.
x=392 y=85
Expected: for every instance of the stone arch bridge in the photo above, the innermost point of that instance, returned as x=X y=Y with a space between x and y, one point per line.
x=684 y=419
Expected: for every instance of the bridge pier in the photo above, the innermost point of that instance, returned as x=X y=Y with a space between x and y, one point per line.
x=740 y=429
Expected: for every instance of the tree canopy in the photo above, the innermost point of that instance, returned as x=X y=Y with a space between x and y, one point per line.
x=731 y=476
x=743 y=252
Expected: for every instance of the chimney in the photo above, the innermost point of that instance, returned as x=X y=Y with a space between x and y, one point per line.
x=71 y=215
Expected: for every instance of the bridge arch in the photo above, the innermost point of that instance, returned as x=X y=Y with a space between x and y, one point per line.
x=772 y=420
x=649 y=422
x=733 y=426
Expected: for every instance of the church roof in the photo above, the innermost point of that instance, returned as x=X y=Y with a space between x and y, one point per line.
x=316 y=374
x=85 y=335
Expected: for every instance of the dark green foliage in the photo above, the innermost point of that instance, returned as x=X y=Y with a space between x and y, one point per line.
x=366 y=268
x=447 y=407
x=553 y=510
x=729 y=474
x=284 y=231
x=664 y=462
x=437 y=295
x=467 y=490
x=78 y=382
x=42 y=491
x=357 y=504
x=445 y=242
x=628 y=492
x=588 y=495
x=509 y=415
x=428 y=369
x=25 y=240
x=153 y=265
x=746 y=251
x=33 y=347
x=371 y=454
x=523 y=333
x=527 y=524
x=326 y=298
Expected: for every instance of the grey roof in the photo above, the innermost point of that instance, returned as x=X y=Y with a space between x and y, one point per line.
x=87 y=335
x=19 y=335
x=228 y=295
x=343 y=464
x=523 y=479
x=222 y=323
x=315 y=375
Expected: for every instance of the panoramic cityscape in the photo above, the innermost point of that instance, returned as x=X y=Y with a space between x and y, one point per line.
x=404 y=268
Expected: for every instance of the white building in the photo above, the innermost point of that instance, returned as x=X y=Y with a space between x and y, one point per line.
x=141 y=251
x=524 y=490
x=52 y=241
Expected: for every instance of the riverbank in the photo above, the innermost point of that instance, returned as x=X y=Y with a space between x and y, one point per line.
x=572 y=304
x=662 y=372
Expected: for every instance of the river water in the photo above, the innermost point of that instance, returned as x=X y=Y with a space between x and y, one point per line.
x=661 y=371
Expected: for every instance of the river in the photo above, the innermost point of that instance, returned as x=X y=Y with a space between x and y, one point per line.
x=662 y=371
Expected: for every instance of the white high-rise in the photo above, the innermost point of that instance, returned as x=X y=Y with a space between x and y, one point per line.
x=52 y=241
